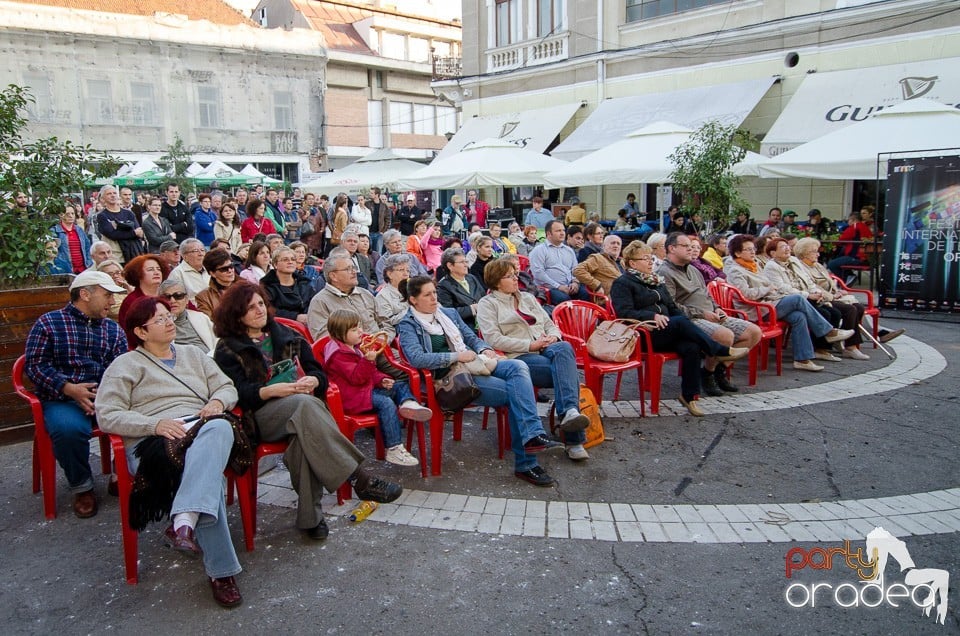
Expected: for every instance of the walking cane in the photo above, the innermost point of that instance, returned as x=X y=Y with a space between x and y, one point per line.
x=869 y=335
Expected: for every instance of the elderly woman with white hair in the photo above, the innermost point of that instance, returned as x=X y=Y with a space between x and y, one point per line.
x=658 y=243
x=390 y=303
x=193 y=327
x=807 y=253
x=393 y=244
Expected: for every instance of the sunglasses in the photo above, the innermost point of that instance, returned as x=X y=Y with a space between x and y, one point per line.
x=224 y=269
x=176 y=296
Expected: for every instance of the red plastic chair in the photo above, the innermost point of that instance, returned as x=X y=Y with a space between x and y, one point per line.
x=44 y=463
x=437 y=421
x=299 y=327
x=577 y=319
x=601 y=300
x=524 y=262
x=872 y=310
x=729 y=298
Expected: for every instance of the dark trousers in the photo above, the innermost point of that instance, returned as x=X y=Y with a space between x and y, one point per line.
x=689 y=342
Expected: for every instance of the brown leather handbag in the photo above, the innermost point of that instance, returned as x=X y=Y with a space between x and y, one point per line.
x=615 y=340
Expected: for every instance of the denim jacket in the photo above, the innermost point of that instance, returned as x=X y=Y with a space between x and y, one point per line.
x=418 y=350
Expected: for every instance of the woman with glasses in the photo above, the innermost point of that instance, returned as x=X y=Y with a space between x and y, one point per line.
x=744 y=273
x=223 y=273
x=459 y=289
x=287 y=290
x=113 y=269
x=193 y=327
x=144 y=273
x=593 y=234
x=640 y=294
x=514 y=322
x=152 y=390
x=390 y=303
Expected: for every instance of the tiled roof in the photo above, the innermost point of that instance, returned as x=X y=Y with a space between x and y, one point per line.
x=215 y=11
x=335 y=22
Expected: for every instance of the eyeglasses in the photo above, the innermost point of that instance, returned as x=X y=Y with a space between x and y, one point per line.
x=161 y=320
x=224 y=269
x=175 y=296
x=514 y=276
x=642 y=258
x=286 y=260
x=352 y=268
x=197 y=250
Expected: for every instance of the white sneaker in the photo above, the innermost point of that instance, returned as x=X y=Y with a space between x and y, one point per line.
x=398 y=455
x=854 y=354
x=573 y=421
x=807 y=365
x=825 y=355
x=577 y=452
x=839 y=334
x=411 y=410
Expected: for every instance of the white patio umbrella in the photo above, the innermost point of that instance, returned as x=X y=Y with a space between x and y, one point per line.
x=250 y=171
x=640 y=157
x=379 y=168
x=489 y=162
x=852 y=152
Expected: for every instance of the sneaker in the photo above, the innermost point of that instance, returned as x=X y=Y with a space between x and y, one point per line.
x=541 y=443
x=890 y=335
x=577 y=452
x=372 y=488
x=839 y=334
x=398 y=455
x=807 y=365
x=854 y=354
x=825 y=355
x=573 y=421
x=536 y=476
x=411 y=410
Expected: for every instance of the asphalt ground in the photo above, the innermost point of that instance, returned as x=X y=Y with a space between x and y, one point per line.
x=66 y=575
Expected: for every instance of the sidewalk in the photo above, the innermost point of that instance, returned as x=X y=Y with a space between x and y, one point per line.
x=675 y=525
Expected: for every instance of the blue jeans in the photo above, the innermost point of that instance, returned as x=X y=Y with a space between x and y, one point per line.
x=376 y=242
x=385 y=403
x=805 y=320
x=557 y=296
x=556 y=367
x=202 y=489
x=509 y=385
x=836 y=263
x=70 y=430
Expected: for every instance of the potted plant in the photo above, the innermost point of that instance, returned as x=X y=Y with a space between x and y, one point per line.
x=703 y=173
x=47 y=170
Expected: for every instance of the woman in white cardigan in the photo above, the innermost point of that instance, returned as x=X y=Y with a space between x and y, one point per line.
x=514 y=323
x=154 y=390
x=193 y=327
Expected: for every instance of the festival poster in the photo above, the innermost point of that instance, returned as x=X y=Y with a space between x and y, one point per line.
x=921 y=258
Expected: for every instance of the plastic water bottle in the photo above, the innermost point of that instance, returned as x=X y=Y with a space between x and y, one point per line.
x=364 y=510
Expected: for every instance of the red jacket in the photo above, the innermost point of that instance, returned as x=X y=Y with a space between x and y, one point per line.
x=248 y=229
x=353 y=374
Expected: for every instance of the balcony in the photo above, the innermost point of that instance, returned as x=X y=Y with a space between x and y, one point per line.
x=447 y=67
x=529 y=53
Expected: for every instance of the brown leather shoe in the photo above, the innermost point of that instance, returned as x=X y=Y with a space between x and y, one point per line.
x=225 y=592
x=182 y=540
x=85 y=504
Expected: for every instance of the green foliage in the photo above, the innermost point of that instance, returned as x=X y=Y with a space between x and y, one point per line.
x=48 y=170
x=703 y=171
x=177 y=159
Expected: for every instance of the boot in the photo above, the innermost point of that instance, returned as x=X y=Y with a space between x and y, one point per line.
x=708 y=381
x=720 y=376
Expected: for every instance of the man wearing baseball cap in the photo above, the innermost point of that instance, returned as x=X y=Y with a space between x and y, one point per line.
x=67 y=352
x=817 y=225
x=408 y=215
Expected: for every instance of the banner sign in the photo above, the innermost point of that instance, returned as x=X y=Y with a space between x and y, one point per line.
x=921 y=258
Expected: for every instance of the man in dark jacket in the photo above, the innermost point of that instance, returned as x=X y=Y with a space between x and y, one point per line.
x=176 y=213
x=408 y=215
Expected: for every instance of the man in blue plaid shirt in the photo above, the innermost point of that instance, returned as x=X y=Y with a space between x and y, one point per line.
x=66 y=355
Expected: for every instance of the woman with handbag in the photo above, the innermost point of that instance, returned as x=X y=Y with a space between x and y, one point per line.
x=318 y=455
x=435 y=338
x=641 y=295
x=516 y=324
x=156 y=390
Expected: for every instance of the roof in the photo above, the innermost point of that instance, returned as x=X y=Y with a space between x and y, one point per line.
x=215 y=11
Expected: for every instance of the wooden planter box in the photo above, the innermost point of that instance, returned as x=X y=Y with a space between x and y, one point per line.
x=19 y=309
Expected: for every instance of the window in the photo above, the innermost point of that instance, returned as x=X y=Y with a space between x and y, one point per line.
x=418 y=49
x=208 y=105
x=283 y=110
x=143 y=109
x=401 y=117
x=99 y=101
x=446 y=120
x=375 y=123
x=645 y=9
x=393 y=45
x=424 y=119
x=508 y=22
x=441 y=48
x=550 y=17
x=42 y=107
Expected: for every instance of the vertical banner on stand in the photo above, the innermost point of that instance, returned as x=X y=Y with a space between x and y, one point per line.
x=921 y=258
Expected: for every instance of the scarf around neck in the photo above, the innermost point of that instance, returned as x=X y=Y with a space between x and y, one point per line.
x=647 y=279
x=750 y=266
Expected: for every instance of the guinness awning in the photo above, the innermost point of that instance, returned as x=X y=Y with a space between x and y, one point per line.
x=531 y=129
x=826 y=102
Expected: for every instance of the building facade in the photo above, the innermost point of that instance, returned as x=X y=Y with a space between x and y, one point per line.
x=379 y=70
x=771 y=66
x=130 y=83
